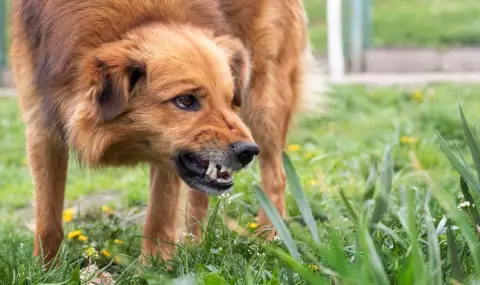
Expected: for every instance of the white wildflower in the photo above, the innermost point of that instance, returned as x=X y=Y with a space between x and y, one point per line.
x=189 y=236
x=464 y=204
x=225 y=196
x=260 y=254
x=216 y=250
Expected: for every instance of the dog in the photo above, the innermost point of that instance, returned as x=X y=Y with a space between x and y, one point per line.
x=195 y=88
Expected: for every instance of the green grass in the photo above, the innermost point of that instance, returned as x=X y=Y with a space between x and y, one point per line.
x=376 y=195
x=409 y=23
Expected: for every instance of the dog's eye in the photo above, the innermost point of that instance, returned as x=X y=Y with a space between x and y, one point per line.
x=186 y=102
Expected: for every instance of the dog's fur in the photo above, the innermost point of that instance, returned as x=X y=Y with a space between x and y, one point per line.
x=98 y=77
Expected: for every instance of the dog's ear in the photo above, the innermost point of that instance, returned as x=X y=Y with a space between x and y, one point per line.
x=114 y=71
x=239 y=62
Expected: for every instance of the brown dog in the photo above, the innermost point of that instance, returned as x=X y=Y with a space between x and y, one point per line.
x=158 y=81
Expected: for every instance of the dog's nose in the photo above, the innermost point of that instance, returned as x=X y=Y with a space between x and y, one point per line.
x=245 y=151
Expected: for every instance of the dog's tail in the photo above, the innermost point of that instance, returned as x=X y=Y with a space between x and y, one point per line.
x=314 y=93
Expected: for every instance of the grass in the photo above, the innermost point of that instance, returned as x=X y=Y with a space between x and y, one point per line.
x=372 y=193
x=409 y=23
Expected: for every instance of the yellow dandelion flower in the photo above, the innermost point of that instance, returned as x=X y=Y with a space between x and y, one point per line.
x=294 y=148
x=253 y=225
x=74 y=234
x=308 y=155
x=408 y=140
x=82 y=238
x=117 y=259
x=105 y=253
x=68 y=215
x=67 y=218
x=107 y=209
x=313 y=267
x=91 y=252
x=417 y=96
x=313 y=182
x=118 y=241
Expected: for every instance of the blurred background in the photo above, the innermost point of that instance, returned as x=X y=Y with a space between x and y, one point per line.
x=375 y=36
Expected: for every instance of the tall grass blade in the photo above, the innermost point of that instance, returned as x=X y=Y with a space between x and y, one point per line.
x=458 y=165
x=386 y=177
x=277 y=222
x=471 y=142
x=462 y=221
x=300 y=197
x=476 y=197
x=337 y=257
x=249 y=276
x=434 y=259
x=303 y=271
x=350 y=209
x=371 y=181
x=473 y=209
x=441 y=225
x=453 y=250
x=371 y=256
x=208 y=236
x=418 y=264
x=388 y=231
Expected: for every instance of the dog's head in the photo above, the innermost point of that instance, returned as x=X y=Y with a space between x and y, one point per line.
x=169 y=96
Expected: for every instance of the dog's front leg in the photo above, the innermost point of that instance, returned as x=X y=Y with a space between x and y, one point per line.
x=197 y=211
x=159 y=232
x=48 y=160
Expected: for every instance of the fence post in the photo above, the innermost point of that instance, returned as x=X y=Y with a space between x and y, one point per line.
x=336 y=60
x=356 y=35
x=367 y=24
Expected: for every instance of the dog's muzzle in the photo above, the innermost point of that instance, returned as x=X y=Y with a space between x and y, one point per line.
x=211 y=171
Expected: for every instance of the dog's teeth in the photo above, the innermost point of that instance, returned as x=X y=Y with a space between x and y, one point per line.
x=211 y=166
x=213 y=174
x=229 y=170
x=223 y=169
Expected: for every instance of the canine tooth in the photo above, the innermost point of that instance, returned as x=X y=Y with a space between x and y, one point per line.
x=213 y=175
x=211 y=166
x=229 y=170
x=223 y=169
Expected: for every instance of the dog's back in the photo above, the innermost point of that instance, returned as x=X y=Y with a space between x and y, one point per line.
x=56 y=32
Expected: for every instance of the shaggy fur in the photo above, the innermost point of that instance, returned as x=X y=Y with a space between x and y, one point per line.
x=99 y=78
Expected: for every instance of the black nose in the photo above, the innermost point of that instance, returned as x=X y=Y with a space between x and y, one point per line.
x=245 y=151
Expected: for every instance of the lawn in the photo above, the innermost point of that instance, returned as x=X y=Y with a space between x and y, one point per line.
x=409 y=23
x=333 y=156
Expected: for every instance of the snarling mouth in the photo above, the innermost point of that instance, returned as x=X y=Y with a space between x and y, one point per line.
x=203 y=174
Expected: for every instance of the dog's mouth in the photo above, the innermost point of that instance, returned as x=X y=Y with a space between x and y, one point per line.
x=203 y=174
